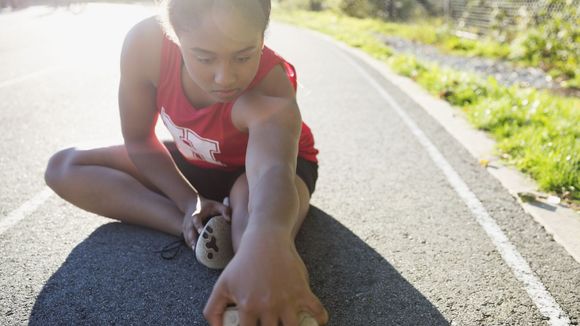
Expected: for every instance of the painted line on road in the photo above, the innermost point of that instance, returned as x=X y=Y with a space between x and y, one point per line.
x=521 y=269
x=31 y=75
x=24 y=210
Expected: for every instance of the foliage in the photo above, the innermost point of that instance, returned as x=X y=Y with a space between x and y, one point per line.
x=553 y=45
x=384 y=9
x=550 y=39
x=484 y=47
x=359 y=33
x=356 y=8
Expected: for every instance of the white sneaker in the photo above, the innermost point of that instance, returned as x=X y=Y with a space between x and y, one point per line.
x=232 y=318
x=214 y=245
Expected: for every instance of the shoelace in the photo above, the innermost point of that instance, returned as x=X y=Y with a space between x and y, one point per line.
x=172 y=249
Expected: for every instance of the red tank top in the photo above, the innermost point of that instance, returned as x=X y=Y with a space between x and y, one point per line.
x=206 y=137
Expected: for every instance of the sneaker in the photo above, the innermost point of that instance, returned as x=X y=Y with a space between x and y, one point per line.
x=214 y=245
x=232 y=318
x=216 y=249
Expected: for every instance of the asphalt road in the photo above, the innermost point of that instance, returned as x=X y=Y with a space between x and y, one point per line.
x=391 y=239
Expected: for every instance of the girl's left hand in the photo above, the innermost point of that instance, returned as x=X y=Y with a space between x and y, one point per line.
x=267 y=281
x=197 y=214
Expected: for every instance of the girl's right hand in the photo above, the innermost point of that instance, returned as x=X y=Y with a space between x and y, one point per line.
x=197 y=215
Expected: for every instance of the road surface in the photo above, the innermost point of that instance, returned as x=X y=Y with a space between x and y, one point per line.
x=405 y=228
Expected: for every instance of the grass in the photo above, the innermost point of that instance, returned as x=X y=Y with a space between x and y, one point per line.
x=431 y=31
x=535 y=131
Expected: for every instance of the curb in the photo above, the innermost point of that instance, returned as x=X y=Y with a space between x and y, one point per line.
x=561 y=222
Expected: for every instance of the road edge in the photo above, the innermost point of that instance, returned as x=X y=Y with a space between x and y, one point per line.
x=559 y=221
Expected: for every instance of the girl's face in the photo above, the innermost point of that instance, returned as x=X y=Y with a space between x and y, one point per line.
x=223 y=53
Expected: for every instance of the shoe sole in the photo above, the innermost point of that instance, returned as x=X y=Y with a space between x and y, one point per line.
x=214 y=244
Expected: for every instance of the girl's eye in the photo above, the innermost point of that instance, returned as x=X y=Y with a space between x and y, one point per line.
x=204 y=60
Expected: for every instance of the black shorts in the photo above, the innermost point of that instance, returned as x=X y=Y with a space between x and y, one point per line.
x=216 y=184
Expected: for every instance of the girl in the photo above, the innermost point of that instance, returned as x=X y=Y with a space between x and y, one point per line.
x=229 y=103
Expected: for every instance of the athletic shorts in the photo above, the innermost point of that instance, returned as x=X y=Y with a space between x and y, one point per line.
x=216 y=184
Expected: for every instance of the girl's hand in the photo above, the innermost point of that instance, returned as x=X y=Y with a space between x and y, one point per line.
x=196 y=216
x=267 y=281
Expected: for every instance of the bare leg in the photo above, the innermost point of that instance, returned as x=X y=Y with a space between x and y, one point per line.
x=104 y=181
x=239 y=202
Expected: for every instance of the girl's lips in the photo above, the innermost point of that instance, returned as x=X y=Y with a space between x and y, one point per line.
x=226 y=93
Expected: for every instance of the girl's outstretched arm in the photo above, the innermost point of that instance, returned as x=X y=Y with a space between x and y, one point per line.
x=267 y=279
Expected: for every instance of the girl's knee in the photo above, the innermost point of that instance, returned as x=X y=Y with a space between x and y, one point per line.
x=57 y=166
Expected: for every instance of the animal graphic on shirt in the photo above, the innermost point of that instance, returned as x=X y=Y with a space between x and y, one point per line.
x=191 y=145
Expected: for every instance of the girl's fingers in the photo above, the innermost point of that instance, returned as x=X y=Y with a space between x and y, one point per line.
x=198 y=223
x=247 y=318
x=215 y=307
x=289 y=317
x=317 y=310
x=269 y=319
x=221 y=209
x=226 y=212
x=190 y=237
x=228 y=209
x=210 y=208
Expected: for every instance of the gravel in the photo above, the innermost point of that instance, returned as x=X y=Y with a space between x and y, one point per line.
x=505 y=73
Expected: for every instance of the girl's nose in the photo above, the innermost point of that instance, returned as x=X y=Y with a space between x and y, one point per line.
x=225 y=76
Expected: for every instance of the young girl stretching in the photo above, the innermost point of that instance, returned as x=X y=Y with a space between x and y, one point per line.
x=229 y=103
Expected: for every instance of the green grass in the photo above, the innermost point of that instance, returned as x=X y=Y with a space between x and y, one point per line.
x=535 y=131
x=355 y=32
x=428 y=31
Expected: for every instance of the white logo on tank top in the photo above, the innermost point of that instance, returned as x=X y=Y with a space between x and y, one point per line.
x=191 y=145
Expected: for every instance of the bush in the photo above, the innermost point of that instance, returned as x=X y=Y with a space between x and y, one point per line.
x=554 y=45
x=355 y=8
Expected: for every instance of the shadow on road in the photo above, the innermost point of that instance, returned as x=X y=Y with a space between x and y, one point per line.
x=113 y=277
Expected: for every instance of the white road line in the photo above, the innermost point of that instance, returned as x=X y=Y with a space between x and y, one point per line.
x=13 y=81
x=536 y=290
x=24 y=210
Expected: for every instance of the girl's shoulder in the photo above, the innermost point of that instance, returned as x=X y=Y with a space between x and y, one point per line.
x=142 y=47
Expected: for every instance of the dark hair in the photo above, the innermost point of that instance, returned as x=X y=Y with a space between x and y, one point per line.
x=183 y=15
